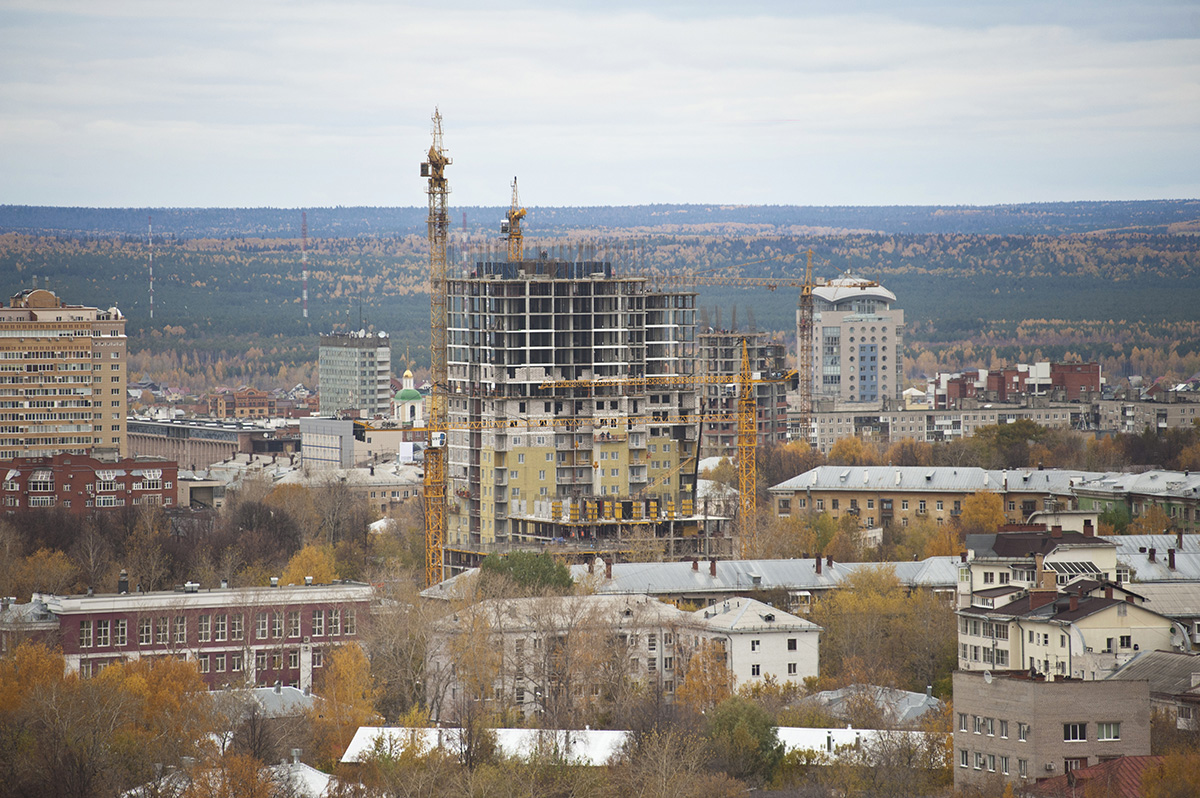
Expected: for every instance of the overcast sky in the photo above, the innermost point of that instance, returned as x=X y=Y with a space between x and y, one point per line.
x=301 y=103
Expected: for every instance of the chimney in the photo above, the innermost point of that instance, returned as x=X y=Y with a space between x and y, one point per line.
x=1171 y=559
x=1108 y=591
x=1129 y=599
x=1088 y=530
x=1074 y=602
x=278 y=687
x=123 y=582
x=607 y=569
x=308 y=580
x=712 y=567
x=962 y=557
x=1179 y=539
x=1152 y=552
x=296 y=756
x=1056 y=531
x=929 y=691
x=695 y=564
x=829 y=561
x=818 y=563
x=1040 y=597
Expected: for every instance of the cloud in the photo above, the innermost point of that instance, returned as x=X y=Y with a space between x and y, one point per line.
x=301 y=103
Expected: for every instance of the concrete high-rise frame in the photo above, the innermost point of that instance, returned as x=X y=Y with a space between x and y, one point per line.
x=579 y=463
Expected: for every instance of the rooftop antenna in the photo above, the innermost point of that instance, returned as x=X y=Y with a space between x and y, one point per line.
x=150 y=240
x=303 y=258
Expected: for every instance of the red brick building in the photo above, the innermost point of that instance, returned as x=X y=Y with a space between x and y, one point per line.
x=245 y=402
x=81 y=483
x=237 y=636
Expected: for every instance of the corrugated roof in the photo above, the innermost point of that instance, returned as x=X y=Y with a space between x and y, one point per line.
x=1173 y=599
x=1169 y=672
x=1187 y=566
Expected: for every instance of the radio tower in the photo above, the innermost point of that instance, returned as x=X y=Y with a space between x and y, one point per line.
x=150 y=239
x=304 y=257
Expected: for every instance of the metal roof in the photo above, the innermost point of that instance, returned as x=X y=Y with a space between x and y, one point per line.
x=949 y=479
x=1169 y=672
x=1173 y=599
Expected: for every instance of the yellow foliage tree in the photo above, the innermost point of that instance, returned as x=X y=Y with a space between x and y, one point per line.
x=982 y=513
x=1154 y=521
x=348 y=701
x=313 y=560
x=706 y=679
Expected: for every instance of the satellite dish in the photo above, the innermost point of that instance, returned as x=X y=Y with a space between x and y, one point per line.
x=987 y=677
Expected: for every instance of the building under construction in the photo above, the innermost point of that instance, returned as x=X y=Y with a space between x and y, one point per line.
x=573 y=408
x=719 y=353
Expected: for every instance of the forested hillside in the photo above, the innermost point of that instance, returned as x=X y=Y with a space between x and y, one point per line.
x=1119 y=282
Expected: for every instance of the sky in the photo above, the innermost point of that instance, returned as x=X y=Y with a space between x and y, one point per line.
x=307 y=103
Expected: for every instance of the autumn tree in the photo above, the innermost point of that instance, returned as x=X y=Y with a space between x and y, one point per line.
x=909 y=640
x=1154 y=521
x=982 y=513
x=314 y=561
x=742 y=740
x=347 y=701
x=853 y=451
x=706 y=678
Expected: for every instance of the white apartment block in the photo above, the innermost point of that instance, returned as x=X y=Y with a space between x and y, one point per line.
x=354 y=371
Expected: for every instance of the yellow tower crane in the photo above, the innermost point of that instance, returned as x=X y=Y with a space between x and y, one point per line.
x=438 y=228
x=511 y=227
x=805 y=319
x=747 y=425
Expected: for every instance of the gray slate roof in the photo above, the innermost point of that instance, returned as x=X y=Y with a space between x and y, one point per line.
x=1173 y=599
x=902 y=706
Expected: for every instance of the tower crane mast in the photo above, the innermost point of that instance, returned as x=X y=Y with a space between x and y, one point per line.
x=438 y=229
x=511 y=227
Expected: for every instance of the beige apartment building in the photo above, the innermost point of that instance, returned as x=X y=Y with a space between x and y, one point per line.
x=62 y=377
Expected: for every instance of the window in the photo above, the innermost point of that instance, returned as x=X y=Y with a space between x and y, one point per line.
x=668 y=663
x=991 y=762
x=260 y=623
x=1004 y=729
x=102 y=629
x=237 y=624
x=318 y=658
x=120 y=633
x=1108 y=731
x=1004 y=765
x=1023 y=768
x=219 y=663
x=202 y=660
x=755 y=670
x=791 y=669
x=349 y=627
x=1072 y=763
x=144 y=632
x=904 y=504
x=1126 y=641
x=921 y=506
x=276 y=661
x=991 y=727
x=277 y=624
x=834 y=503
x=1022 y=733
x=222 y=632
x=978 y=761
x=754 y=645
x=161 y=630
x=791 y=644
x=236 y=662
x=1074 y=732
x=318 y=623
x=940 y=505
x=964 y=758
x=989 y=577
x=293 y=659
x=204 y=628
x=962 y=722
x=978 y=724
x=335 y=623
x=180 y=630
x=260 y=660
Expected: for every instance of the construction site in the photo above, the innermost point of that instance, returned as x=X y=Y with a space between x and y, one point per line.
x=567 y=411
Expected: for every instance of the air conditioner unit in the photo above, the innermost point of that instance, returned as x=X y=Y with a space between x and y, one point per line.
x=1049 y=767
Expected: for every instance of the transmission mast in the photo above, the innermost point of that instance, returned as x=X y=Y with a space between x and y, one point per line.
x=304 y=258
x=150 y=240
x=434 y=168
x=511 y=227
